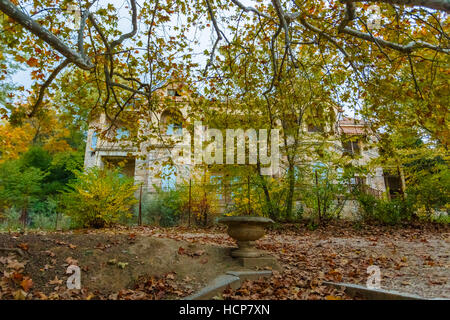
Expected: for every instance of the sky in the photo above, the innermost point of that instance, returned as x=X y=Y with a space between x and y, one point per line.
x=23 y=77
x=206 y=37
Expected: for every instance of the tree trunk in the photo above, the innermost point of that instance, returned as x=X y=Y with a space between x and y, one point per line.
x=24 y=216
x=318 y=198
x=271 y=211
x=291 y=190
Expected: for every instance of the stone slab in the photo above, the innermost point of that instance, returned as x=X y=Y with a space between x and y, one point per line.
x=251 y=275
x=355 y=290
x=215 y=287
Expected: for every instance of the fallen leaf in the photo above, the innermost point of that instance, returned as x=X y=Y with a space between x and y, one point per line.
x=72 y=261
x=26 y=284
x=199 y=252
x=23 y=246
x=20 y=295
x=56 y=281
x=16 y=265
x=49 y=253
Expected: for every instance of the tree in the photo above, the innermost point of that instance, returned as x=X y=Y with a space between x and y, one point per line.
x=13 y=141
x=278 y=58
x=423 y=165
x=19 y=186
x=7 y=67
x=126 y=65
x=200 y=197
x=327 y=193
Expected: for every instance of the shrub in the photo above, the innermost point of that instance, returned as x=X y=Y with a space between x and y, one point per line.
x=204 y=198
x=43 y=214
x=163 y=208
x=386 y=211
x=99 y=198
x=326 y=195
x=10 y=219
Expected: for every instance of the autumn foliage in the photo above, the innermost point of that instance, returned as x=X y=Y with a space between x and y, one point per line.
x=99 y=198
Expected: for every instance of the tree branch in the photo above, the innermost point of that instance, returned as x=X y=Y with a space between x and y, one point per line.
x=440 y=5
x=387 y=44
x=52 y=76
x=130 y=34
x=17 y=15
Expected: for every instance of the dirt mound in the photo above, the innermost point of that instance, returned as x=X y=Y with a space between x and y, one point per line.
x=114 y=262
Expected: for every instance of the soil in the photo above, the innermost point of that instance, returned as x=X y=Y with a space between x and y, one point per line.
x=111 y=262
x=158 y=263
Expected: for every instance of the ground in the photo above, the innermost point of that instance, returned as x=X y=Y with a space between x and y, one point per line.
x=157 y=263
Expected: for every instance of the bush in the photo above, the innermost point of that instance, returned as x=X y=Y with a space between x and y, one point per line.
x=43 y=214
x=163 y=208
x=10 y=219
x=20 y=186
x=326 y=195
x=385 y=211
x=99 y=198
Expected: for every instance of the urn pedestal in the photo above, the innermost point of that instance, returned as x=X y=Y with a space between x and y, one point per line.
x=246 y=230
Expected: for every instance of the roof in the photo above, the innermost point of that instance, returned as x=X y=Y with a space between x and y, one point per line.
x=352 y=122
x=352 y=126
x=353 y=130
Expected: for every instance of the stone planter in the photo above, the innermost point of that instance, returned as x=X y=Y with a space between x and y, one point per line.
x=246 y=230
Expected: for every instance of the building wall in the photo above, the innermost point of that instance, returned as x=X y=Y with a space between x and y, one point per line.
x=149 y=157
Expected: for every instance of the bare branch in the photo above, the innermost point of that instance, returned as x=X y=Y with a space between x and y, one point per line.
x=330 y=39
x=440 y=5
x=250 y=9
x=408 y=48
x=17 y=15
x=52 y=76
x=133 y=32
x=387 y=44
x=81 y=30
x=285 y=24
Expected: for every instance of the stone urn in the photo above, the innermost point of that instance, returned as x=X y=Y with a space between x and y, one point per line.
x=246 y=230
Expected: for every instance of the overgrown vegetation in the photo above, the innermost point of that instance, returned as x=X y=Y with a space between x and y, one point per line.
x=98 y=198
x=163 y=208
x=305 y=79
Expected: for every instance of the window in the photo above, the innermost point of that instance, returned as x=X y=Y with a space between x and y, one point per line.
x=321 y=169
x=122 y=133
x=172 y=122
x=314 y=128
x=358 y=181
x=340 y=172
x=216 y=181
x=296 y=172
x=125 y=165
x=174 y=129
x=235 y=184
x=351 y=147
x=168 y=178
x=94 y=140
x=173 y=93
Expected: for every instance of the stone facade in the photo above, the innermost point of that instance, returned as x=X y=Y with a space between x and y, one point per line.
x=145 y=164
